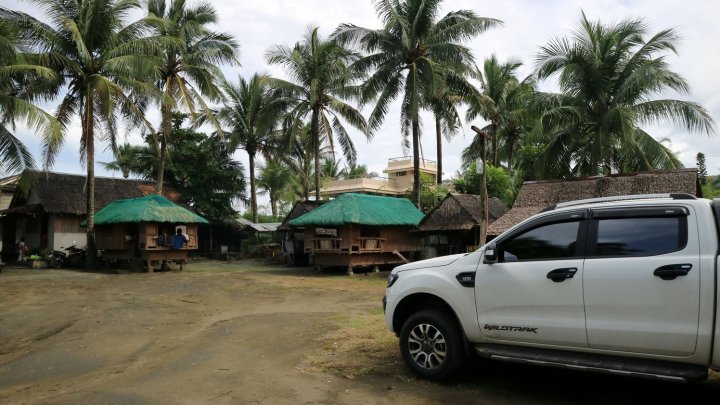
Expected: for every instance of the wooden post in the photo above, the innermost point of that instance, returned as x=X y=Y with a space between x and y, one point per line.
x=483 y=184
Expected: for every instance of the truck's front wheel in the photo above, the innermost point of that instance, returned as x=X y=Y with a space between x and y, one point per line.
x=431 y=345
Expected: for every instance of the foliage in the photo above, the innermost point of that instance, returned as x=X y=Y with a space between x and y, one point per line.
x=610 y=76
x=261 y=218
x=100 y=60
x=322 y=79
x=527 y=160
x=505 y=102
x=431 y=193
x=22 y=82
x=355 y=171
x=500 y=184
x=273 y=180
x=252 y=112
x=188 y=68
x=702 y=168
x=201 y=168
x=416 y=57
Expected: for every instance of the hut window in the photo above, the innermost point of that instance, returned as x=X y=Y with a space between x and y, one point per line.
x=68 y=225
x=327 y=232
x=369 y=232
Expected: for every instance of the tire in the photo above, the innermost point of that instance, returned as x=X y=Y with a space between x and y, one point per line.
x=431 y=345
x=55 y=263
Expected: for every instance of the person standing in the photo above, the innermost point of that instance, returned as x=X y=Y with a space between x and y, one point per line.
x=22 y=250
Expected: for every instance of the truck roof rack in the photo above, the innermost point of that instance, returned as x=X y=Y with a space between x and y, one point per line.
x=674 y=196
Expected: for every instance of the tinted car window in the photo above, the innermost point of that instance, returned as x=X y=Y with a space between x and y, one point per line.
x=553 y=241
x=640 y=236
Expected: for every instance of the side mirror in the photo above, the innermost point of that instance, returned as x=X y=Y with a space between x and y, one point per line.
x=490 y=255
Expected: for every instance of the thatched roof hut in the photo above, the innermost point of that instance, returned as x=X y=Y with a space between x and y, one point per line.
x=461 y=212
x=60 y=193
x=536 y=195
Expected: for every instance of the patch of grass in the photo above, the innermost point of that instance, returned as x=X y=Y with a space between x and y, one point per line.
x=360 y=345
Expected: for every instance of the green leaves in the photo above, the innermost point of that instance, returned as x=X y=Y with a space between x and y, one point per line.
x=609 y=76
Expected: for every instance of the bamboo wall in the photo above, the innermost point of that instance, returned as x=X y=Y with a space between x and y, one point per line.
x=394 y=238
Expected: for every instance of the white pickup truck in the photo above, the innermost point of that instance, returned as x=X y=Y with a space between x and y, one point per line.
x=625 y=285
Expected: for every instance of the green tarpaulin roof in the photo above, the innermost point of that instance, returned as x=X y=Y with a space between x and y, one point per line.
x=152 y=208
x=362 y=209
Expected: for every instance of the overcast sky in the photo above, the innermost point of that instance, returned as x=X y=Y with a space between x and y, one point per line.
x=528 y=24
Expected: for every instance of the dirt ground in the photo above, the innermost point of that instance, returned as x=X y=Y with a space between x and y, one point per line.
x=246 y=333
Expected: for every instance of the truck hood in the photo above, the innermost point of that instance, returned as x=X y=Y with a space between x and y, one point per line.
x=434 y=262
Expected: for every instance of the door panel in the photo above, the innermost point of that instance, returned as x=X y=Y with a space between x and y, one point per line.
x=534 y=293
x=628 y=307
x=520 y=295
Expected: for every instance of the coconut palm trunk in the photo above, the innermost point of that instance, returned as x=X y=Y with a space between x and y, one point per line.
x=88 y=135
x=315 y=130
x=416 y=160
x=438 y=134
x=165 y=136
x=253 y=190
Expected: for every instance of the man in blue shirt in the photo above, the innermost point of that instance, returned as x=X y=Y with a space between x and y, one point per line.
x=179 y=240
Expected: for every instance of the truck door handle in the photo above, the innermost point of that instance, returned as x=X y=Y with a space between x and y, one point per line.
x=672 y=271
x=559 y=275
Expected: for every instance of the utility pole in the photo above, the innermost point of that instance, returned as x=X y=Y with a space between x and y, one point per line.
x=483 y=183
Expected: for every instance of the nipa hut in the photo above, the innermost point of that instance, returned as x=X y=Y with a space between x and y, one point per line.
x=49 y=215
x=536 y=195
x=144 y=230
x=293 y=239
x=455 y=225
x=359 y=230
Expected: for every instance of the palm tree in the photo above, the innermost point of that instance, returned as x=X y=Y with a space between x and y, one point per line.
x=355 y=171
x=503 y=101
x=127 y=158
x=321 y=80
x=412 y=56
x=22 y=81
x=188 y=70
x=609 y=77
x=273 y=180
x=496 y=81
x=251 y=114
x=100 y=59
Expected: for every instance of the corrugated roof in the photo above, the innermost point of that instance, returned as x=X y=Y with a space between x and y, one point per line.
x=362 y=209
x=152 y=208
x=536 y=195
x=258 y=226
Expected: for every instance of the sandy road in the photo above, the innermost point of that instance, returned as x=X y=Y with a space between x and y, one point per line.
x=244 y=334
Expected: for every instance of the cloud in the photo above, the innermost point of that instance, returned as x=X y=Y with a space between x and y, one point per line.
x=259 y=25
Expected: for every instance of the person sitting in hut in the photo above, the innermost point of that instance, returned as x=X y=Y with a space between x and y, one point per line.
x=179 y=240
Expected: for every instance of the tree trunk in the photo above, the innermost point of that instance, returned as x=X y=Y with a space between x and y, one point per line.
x=166 y=111
x=253 y=196
x=273 y=207
x=416 y=161
x=90 y=202
x=315 y=130
x=596 y=156
x=438 y=133
x=510 y=142
x=494 y=143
